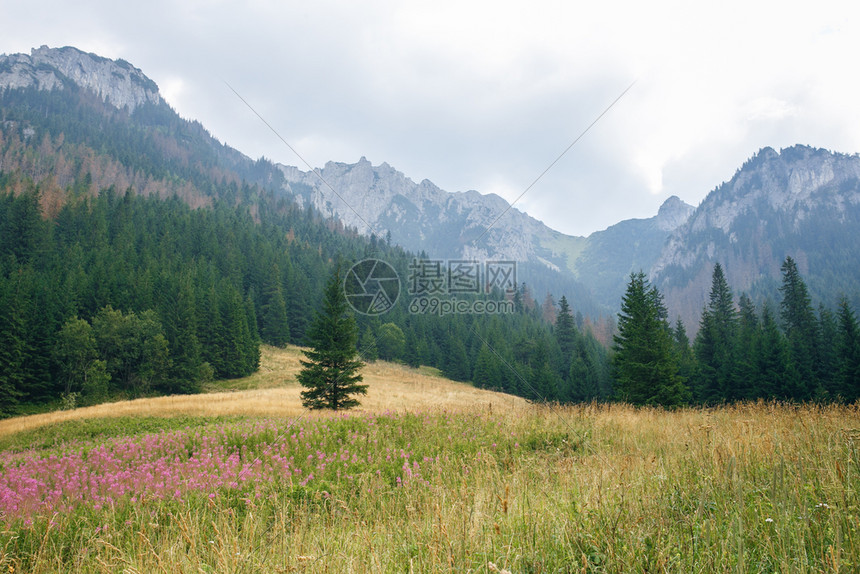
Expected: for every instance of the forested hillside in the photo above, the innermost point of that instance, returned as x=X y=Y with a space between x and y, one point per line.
x=138 y=255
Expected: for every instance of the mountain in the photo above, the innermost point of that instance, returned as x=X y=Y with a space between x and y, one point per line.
x=800 y=202
x=115 y=81
x=140 y=255
x=112 y=126
x=610 y=256
x=464 y=225
x=422 y=217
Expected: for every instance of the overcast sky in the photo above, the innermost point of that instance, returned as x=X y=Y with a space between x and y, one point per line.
x=485 y=95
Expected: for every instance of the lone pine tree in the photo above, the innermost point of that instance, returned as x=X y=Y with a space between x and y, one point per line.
x=330 y=374
x=645 y=369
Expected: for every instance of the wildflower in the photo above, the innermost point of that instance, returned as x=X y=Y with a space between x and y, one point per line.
x=768 y=519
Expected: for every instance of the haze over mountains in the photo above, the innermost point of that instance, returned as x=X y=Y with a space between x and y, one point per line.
x=799 y=201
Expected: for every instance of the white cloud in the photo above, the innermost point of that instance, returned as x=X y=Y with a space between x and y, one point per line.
x=484 y=95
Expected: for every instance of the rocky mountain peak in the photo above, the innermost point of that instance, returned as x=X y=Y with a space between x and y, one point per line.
x=115 y=81
x=673 y=213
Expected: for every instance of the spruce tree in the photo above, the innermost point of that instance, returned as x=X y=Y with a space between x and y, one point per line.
x=367 y=348
x=330 y=374
x=486 y=374
x=13 y=349
x=274 y=327
x=565 y=331
x=683 y=353
x=848 y=373
x=801 y=332
x=771 y=359
x=827 y=359
x=645 y=368
x=749 y=332
x=715 y=343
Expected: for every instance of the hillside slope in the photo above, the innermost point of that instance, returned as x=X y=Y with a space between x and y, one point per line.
x=274 y=391
x=800 y=202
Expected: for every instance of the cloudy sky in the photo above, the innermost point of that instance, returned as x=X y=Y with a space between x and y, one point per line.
x=485 y=95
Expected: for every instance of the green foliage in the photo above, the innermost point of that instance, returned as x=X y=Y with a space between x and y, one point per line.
x=75 y=352
x=274 y=326
x=134 y=349
x=848 y=369
x=715 y=343
x=390 y=341
x=801 y=332
x=367 y=348
x=330 y=375
x=645 y=369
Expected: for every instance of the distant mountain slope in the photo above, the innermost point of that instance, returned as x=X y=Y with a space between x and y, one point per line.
x=105 y=118
x=69 y=117
x=627 y=247
x=115 y=81
x=801 y=201
x=423 y=217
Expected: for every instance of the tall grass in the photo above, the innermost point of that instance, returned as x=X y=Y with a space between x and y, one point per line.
x=750 y=488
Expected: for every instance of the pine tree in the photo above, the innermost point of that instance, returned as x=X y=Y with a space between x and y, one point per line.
x=486 y=374
x=239 y=350
x=645 y=369
x=330 y=374
x=848 y=373
x=367 y=347
x=565 y=331
x=683 y=352
x=274 y=327
x=411 y=354
x=545 y=383
x=828 y=344
x=179 y=318
x=13 y=348
x=801 y=332
x=749 y=332
x=771 y=359
x=456 y=364
x=583 y=375
x=715 y=343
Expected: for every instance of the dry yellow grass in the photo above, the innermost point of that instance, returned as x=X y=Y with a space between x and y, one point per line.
x=274 y=391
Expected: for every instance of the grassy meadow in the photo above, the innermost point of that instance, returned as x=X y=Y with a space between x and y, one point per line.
x=427 y=476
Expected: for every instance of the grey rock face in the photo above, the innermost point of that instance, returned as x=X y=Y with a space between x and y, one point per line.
x=673 y=214
x=114 y=81
x=420 y=216
x=771 y=186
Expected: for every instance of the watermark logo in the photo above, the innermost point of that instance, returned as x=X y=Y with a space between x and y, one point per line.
x=433 y=277
x=372 y=287
x=434 y=285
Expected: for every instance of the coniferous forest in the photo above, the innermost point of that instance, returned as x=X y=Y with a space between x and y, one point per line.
x=138 y=256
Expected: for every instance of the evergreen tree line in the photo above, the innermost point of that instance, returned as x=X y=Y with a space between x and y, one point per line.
x=518 y=353
x=791 y=352
x=123 y=295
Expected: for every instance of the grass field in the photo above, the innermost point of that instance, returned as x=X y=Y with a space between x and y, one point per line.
x=428 y=476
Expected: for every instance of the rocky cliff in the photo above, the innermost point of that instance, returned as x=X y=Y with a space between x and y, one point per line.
x=800 y=201
x=421 y=216
x=115 y=81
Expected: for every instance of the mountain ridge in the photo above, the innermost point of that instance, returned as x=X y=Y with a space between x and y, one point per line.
x=800 y=201
x=115 y=81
